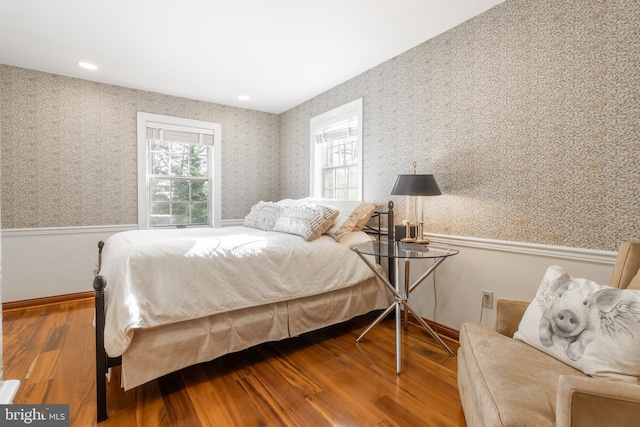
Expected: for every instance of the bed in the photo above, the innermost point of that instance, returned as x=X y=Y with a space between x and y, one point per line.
x=214 y=291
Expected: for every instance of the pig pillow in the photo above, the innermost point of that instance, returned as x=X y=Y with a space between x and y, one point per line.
x=591 y=327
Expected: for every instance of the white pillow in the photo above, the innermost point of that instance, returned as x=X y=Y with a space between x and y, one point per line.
x=308 y=221
x=591 y=327
x=366 y=213
x=263 y=215
x=294 y=202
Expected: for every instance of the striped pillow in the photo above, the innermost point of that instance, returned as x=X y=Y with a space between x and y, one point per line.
x=307 y=221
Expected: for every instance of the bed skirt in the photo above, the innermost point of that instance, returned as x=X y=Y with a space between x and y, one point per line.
x=153 y=354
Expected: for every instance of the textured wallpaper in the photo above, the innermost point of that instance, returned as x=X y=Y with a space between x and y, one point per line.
x=528 y=116
x=1 y=371
x=69 y=150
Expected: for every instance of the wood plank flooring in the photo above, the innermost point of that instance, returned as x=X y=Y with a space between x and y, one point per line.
x=323 y=378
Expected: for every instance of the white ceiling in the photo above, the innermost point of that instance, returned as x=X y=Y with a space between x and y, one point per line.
x=279 y=52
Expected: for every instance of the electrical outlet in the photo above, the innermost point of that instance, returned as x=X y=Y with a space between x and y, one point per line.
x=487 y=299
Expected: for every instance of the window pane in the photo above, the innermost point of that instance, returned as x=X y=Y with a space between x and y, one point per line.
x=335 y=152
x=159 y=157
x=180 y=213
x=180 y=190
x=353 y=177
x=329 y=178
x=160 y=208
x=199 y=213
x=349 y=153
x=156 y=221
x=328 y=193
x=342 y=178
x=342 y=194
x=160 y=190
x=157 y=145
x=198 y=160
x=160 y=213
x=179 y=160
x=343 y=157
x=199 y=191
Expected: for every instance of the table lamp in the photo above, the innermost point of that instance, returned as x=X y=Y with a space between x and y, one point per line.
x=417 y=186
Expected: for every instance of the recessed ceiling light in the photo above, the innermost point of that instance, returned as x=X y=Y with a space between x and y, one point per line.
x=244 y=97
x=87 y=65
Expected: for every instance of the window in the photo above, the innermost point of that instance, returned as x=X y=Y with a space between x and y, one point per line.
x=336 y=153
x=178 y=172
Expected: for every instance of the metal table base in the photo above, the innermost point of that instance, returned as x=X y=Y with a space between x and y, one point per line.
x=402 y=306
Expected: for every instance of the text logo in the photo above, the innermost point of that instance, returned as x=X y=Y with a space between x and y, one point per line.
x=34 y=415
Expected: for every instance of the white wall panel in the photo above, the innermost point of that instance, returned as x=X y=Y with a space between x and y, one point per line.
x=51 y=261
x=46 y=262
x=508 y=269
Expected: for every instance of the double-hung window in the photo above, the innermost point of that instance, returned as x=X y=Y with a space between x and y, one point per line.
x=179 y=172
x=336 y=153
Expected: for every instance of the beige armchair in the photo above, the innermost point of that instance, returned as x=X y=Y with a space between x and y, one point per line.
x=504 y=382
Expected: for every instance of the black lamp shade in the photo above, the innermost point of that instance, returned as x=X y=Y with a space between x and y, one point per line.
x=415 y=185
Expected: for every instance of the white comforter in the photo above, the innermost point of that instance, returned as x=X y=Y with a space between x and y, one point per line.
x=165 y=276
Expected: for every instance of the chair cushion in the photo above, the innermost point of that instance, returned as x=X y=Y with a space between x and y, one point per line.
x=504 y=382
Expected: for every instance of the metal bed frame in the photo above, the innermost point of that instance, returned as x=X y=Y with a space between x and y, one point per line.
x=105 y=362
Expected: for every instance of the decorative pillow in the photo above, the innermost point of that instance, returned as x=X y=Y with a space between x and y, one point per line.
x=591 y=327
x=367 y=212
x=353 y=215
x=351 y=211
x=263 y=215
x=308 y=221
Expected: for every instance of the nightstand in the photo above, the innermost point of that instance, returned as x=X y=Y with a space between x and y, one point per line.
x=397 y=251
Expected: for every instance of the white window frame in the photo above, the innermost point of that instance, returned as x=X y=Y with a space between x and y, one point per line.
x=214 y=163
x=322 y=120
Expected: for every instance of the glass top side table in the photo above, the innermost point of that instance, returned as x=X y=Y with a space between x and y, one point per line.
x=397 y=251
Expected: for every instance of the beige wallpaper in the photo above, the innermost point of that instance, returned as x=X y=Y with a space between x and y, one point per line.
x=528 y=115
x=69 y=150
x=1 y=369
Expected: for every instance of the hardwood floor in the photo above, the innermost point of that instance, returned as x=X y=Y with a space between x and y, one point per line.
x=323 y=378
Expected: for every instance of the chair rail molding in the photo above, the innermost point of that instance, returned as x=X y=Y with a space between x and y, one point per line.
x=557 y=252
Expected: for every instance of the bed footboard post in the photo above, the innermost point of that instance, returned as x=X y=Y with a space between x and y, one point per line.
x=100 y=246
x=391 y=237
x=99 y=284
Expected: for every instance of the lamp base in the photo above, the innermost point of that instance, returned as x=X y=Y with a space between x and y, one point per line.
x=422 y=241
x=401 y=233
x=420 y=235
x=408 y=240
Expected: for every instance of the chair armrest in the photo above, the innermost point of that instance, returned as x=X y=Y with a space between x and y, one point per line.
x=509 y=312
x=586 y=401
